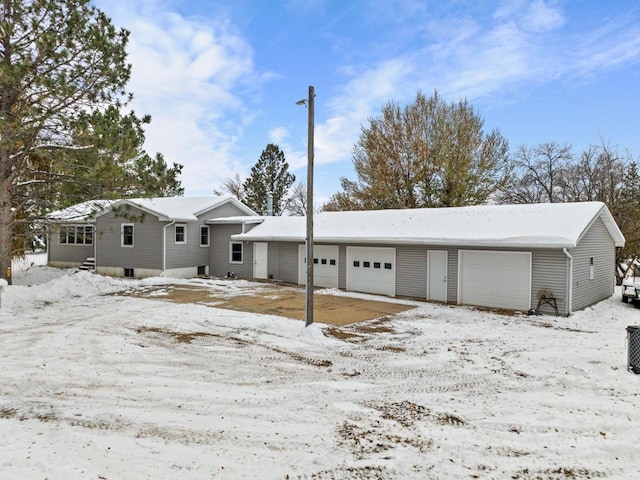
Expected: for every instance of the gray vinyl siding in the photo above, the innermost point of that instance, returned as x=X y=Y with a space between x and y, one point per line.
x=219 y=264
x=67 y=253
x=190 y=254
x=549 y=269
x=222 y=211
x=411 y=271
x=273 y=260
x=452 y=275
x=342 y=267
x=147 y=242
x=596 y=243
x=287 y=262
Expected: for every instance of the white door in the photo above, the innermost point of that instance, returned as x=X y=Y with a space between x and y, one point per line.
x=371 y=270
x=260 y=259
x=437 y=275
x=325 y=266
x=495 y=279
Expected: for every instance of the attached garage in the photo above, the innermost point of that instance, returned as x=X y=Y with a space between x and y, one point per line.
x=495 y=256
x=495 y=279
x=371 y=270
x=325 y=266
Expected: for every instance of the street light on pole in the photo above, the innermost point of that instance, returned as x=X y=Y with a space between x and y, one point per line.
x=309 y=236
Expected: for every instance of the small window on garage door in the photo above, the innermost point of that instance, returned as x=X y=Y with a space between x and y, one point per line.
x=325 y=266
x=365 y=272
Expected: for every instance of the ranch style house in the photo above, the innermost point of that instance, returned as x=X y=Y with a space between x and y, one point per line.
x=557 y=257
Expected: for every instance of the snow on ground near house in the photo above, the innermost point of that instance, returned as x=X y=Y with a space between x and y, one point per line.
x=96 y=386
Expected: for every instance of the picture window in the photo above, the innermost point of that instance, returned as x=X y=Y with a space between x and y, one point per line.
x=76 y=235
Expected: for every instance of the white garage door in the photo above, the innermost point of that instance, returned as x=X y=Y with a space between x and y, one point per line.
x=325 y=266
x=371 y=270
x=495 y=279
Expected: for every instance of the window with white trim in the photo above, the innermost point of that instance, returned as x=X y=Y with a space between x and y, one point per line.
x=235 y=252
x=76 y=235
x=126 y=235
x=592 y=269
x=204 y=235
x=181 y=233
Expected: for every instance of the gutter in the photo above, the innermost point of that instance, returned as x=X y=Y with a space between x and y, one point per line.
x=164 y=245
x=569 y=282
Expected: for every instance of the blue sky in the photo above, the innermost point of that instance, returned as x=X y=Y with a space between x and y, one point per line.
x=221 y=78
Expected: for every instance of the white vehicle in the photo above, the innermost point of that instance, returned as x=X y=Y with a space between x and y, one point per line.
x=631 y=291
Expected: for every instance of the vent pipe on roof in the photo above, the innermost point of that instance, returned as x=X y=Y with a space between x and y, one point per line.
x=269 y=204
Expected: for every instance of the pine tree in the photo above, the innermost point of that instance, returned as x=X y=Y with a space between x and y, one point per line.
x=270 y=175
x=63 y=73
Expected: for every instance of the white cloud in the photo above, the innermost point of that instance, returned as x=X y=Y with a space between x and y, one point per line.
x=197 y=78
x=185 y=74
x=278 y=135
x=361 y=98
x=466 y=58
x=540 y=17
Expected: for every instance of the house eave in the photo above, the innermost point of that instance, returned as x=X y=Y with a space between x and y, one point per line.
x=554 y=243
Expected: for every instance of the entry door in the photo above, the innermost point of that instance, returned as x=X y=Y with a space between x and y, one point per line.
x=260 y=259
x=437 y=275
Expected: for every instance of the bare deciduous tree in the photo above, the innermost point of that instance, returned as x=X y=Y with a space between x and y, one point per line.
x=428 y=154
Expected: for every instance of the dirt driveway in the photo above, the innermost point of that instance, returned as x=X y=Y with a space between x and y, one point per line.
x=273 y=300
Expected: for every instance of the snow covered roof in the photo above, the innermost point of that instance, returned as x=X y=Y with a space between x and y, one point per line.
x=84 y=212
x=236 y=220
x=554 y=225
x=182 y=208
x=165 y=208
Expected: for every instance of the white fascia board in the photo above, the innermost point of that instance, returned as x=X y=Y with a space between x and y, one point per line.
x=234 y=220
x=509 y=243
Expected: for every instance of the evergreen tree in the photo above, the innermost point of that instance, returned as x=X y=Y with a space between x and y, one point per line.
x=63 y=73
x=270 y=175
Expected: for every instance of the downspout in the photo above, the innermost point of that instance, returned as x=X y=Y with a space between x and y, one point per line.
x=569 y=282
x=95 y=249
x=164 y=246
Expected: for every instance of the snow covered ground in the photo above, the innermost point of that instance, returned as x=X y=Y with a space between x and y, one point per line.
x=97 y=386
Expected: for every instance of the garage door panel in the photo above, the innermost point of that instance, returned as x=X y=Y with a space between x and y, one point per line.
x=495 y=279
x=371 y=270
x=325 y=266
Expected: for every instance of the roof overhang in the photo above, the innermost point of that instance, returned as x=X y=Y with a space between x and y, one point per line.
x=609 y=223
x=528 y=242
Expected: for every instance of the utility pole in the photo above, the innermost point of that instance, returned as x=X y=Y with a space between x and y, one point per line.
x=309 y=234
